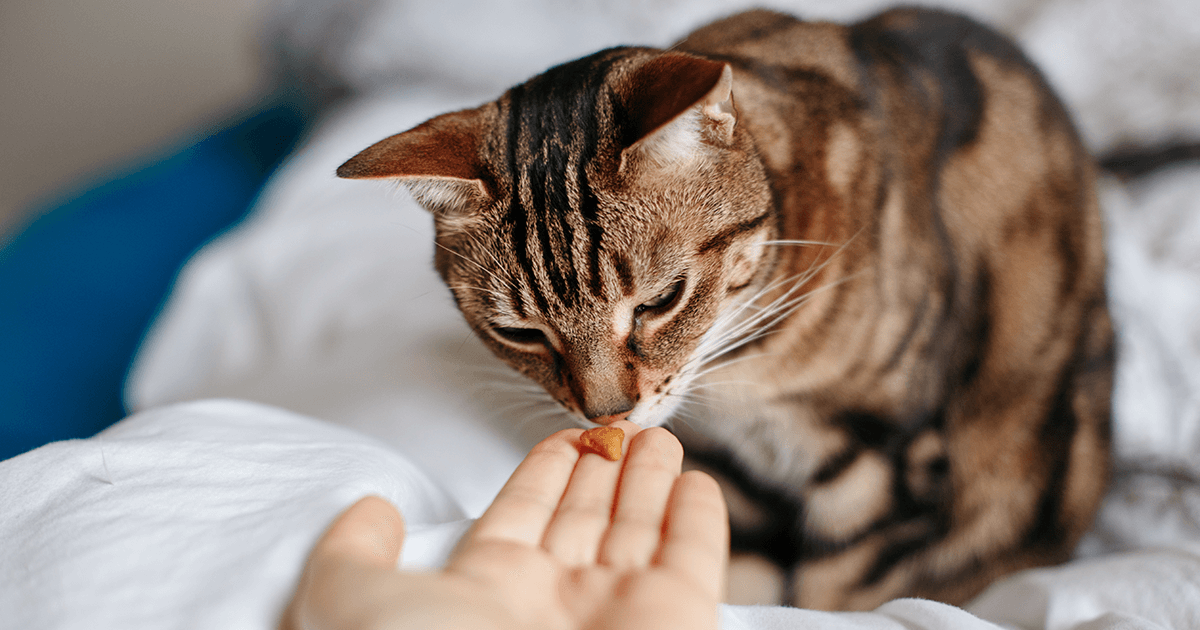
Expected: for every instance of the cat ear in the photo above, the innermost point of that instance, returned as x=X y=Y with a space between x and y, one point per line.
x=438 y=160
x=676 y=101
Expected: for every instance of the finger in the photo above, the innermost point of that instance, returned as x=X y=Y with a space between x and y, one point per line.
x=643 y=490
x=585 y=512
x=523 y=508
x=696 y=532
x=369 y=533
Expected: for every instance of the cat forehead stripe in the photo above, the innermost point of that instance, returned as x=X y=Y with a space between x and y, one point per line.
x=552 y=136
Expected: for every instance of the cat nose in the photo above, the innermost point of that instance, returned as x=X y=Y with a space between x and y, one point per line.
x=611 y=418
x=608 y=411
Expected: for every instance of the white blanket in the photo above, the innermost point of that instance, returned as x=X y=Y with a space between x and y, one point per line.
x=199 y=515
x=324 y=303
x=193 y=516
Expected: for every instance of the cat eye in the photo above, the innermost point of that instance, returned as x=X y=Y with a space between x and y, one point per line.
x=520 y=336
x=662 y=301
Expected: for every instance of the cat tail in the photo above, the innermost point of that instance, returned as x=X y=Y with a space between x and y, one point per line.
x=1132 y=161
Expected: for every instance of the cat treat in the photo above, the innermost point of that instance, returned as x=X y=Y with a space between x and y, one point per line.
x=603 y=441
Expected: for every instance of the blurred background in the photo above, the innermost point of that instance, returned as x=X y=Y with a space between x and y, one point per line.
x=85 y=85
x=133 y=132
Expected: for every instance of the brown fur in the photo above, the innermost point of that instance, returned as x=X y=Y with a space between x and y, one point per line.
x=927 y=407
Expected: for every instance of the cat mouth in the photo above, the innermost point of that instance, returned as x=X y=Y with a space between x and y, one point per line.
x=609 y=419
x=650 y=413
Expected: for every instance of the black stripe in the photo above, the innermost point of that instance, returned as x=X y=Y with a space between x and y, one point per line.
x=632 y=345
x=560 y=117
x=1071 y=241
x=1058 y=430
x=561 y=203
x=517 y=218
x=972 y=347
x=518 y=302
x=541 y=118
x=910 y=333
x=835 y=466
x=589 y=204
x=558 y=284
x=624 y=274
x=1135 y=161
x=938 y=43
x=869 y=429
x=780 y=538
x=726 y=236
x=935 y=44
x=561 y=102
x=895 y=553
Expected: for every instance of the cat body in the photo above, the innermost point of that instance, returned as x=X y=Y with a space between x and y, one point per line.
x=863 y=263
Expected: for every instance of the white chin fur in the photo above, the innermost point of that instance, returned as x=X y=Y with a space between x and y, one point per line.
x=655 y=414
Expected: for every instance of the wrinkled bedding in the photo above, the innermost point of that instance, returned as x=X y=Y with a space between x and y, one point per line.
x=324 y=312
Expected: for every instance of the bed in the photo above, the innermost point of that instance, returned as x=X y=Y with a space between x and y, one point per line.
x=311 y=356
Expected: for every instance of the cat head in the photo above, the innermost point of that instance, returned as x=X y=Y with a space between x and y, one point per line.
x=594 y=223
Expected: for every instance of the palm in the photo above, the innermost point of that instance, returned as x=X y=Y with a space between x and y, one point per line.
x=570 y=543
x=581 y=542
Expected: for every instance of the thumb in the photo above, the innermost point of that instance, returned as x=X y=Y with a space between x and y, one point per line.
x=369 y=532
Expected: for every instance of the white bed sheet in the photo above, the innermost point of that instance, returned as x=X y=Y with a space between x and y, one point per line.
x=325 y=304
x=199 y=515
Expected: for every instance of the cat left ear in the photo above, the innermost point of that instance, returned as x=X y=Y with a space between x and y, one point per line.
x=676 y=101
x=438 y=160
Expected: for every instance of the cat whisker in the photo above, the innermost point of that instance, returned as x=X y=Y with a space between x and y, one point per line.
x=493 y=376
x=785 y=304
x=523 y=399
x=704 y=368
x=538 y=408
x=695 y=399
x=491 y=253
x=489 y=272
x=760 y=324
x=716 y=346
x=783 y=312
x=683 y=413
x=686 y=416
x=549 y=412
x=466 y=287
x=520 y=402
x=797 y=281
x=799 y=242
x=530 y=405
x=499 y=370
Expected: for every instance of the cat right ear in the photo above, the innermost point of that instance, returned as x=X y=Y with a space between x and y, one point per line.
x=437 y=160
x=677 y=101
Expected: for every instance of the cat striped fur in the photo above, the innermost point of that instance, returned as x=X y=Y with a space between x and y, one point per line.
x=863 y=262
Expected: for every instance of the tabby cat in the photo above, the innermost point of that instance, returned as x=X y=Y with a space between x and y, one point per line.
x=865 y=262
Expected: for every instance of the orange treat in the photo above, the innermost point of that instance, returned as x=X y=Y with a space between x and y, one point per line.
x=604 y=441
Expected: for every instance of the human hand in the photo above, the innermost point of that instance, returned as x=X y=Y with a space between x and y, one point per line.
x=570 y=542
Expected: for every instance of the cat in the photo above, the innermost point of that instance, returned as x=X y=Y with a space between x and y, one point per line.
x=862 y=262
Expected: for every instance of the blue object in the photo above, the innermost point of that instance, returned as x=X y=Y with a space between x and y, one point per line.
x=81 y=283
